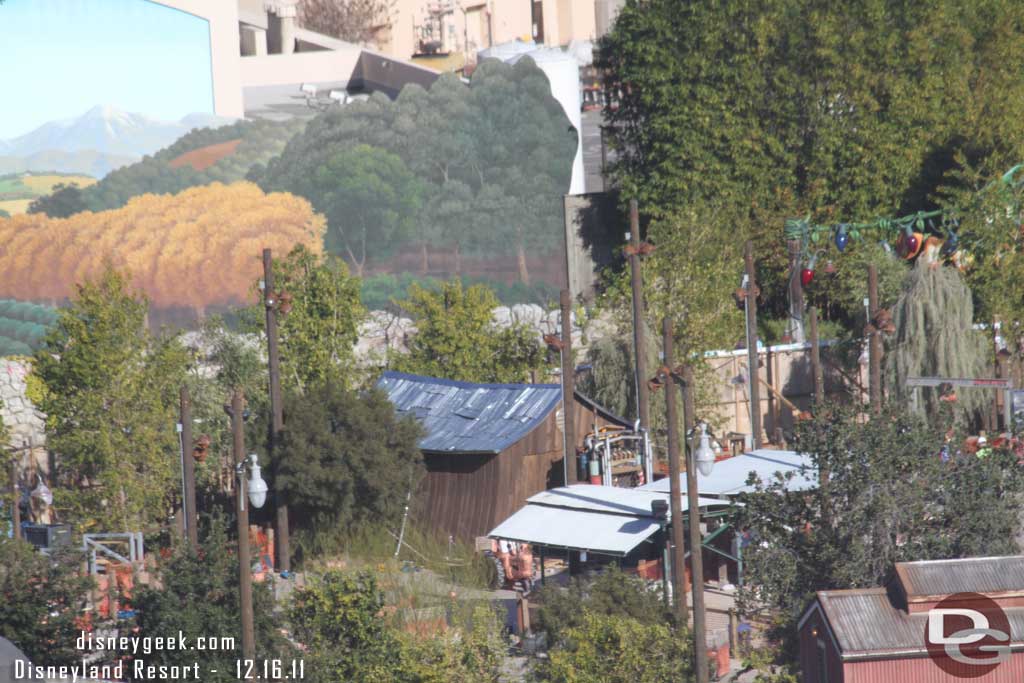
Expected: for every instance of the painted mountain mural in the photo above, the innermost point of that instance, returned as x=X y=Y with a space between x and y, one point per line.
x=97 y=142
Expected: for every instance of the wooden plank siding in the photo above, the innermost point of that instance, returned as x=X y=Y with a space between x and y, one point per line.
x=465 y=495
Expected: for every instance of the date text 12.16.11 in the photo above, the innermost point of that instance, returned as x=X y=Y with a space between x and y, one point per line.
x=270 y=669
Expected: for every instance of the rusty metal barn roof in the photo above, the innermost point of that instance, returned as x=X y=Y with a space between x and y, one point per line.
x=989 y=575
x=866 y=623
x=464 y=417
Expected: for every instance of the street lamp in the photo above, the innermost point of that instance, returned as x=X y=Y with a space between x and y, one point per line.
x=705 y=456
x=256 y=487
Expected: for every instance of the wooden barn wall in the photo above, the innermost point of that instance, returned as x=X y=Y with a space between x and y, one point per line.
x=466 y=495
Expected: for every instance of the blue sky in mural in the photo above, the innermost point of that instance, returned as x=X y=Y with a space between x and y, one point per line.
x=62 y=57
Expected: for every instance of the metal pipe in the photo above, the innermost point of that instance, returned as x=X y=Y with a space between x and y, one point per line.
x=752 y=361
x=568 y=382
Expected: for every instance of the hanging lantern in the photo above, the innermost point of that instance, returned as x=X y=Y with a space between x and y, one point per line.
x=911 y=243
x=807 y=274
x=842 y=239
x=830 y=268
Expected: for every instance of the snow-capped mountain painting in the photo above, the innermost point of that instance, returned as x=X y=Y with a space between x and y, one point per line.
x=106 y=136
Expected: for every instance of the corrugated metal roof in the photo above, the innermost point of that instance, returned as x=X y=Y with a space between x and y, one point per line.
x=866 y=622
x=969 y=575
x=603 y=519
x=464 y=417
x=729 y=477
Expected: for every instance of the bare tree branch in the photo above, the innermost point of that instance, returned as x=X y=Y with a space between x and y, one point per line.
x=356 y=21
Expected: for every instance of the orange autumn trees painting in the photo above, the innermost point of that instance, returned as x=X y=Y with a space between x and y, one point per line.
x=199 y=248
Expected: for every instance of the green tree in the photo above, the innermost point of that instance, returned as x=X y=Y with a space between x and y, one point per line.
x=43 y=597
x=345 y=460
x=935 y=338
x=111 y=405
x=370 y=199
x=613 y=649
x=891 y=497
x=63 y=201
x=612 y=593
x=338 y=619
x=456 y=337
x=198 y=595
x=318 y=334
x=842 y=111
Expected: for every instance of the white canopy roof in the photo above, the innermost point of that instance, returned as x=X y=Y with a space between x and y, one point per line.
x=601 y=519
x=729 y=477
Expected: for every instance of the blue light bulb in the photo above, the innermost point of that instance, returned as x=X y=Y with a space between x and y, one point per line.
x=842 y=239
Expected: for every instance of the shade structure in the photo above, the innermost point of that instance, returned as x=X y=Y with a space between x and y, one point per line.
x=730 y=476
x=600 y=519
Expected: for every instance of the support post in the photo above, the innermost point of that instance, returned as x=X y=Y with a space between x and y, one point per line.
x=639 y=345
x=276 y=407
x=819 y=375
x=998 y=366
x=874 y=342
x=15 y=499
x=675 y=486
x=700 y=644
x=242 y=510
x=189 y=471
x=568 y=385
x=796 y=292
x=751 y=310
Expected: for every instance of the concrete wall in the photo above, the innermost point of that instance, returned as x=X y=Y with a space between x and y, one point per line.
x=594 y=230
x=490 y=22
x=301 y=67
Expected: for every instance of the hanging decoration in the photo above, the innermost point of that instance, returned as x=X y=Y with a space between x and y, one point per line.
x=925 y=232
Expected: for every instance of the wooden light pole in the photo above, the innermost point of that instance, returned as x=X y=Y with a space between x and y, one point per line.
x=639 y=345
x=188 y=493
x=568 y=385
x=242 y=510
x=276 y=405
x=752 y=361
x=675 y=487
x=874 y=342
x=696 y=542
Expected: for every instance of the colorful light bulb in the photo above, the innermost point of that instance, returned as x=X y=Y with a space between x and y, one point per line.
x=842 y=239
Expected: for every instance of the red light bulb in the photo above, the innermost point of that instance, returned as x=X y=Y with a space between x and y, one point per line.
x=806 y=276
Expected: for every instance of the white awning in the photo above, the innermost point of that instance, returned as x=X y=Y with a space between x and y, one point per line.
x=601 y=519
x=576 y=529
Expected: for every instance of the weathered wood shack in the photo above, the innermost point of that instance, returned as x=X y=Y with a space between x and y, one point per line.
x=488 y=447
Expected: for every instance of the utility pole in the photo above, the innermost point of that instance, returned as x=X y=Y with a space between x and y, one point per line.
x=675 y=486
x=696 y=542
x=276 y=406
x=796 y=292
x=242 y=510
x=874 y=342
x=188 y=493
x=752 y=362
x=639 y=345
x=568 y=385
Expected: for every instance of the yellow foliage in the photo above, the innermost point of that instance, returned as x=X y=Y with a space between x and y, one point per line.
x=44 y=184
x=198 y=248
